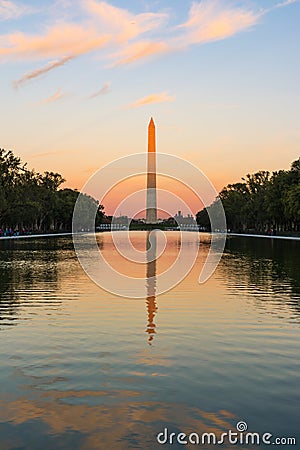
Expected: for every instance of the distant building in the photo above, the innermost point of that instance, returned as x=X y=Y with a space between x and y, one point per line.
x=185 y=222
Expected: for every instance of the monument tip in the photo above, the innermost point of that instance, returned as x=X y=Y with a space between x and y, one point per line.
x=151 y=121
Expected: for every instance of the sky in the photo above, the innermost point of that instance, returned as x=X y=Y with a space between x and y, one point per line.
x=80 y=80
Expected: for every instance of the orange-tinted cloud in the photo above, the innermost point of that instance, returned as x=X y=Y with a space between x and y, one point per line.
x=58 y=95
x=103 y=25
x=58 y=41
x=140 y=50
x=43 y=70
x=212 y=20
x=106 y=25
x=152 y=98
x=121 y=23
x=104 y=90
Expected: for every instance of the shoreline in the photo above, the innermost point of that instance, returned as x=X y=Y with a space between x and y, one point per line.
x=295 y=238
x=34 y=236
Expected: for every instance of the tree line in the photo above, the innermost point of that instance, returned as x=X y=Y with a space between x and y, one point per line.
x=35 y=202
x=261 y=202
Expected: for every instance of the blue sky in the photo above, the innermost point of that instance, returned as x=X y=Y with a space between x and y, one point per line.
x=80 y=79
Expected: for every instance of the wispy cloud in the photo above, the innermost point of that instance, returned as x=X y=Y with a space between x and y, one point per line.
x=152 y=98
x=138 y=51
x=104 y=90
x=105 y=25
x=127 y=37
x=58 y=41
x=46 y=154
x=212 y=20
x=58 y=95
x=12 y=10
x=42 y=71
x=121 y=23
x=284 y=3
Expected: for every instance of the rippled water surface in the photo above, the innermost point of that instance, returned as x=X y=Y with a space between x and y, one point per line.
x=84 y=369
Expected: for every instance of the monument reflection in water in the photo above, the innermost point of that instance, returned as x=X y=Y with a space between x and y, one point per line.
x=77 y=371
x=151 y=246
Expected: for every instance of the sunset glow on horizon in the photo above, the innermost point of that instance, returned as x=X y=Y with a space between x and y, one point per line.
x=81 y=79
x=183 y=198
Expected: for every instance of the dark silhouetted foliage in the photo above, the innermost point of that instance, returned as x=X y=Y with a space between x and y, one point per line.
x=33 y=201
x=261 y=202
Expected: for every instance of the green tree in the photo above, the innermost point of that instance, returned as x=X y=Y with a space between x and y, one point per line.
x=36 y=201
x=262 y=201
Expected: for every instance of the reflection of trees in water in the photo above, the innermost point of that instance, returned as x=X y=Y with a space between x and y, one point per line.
x=266 y=267
x=27 y=265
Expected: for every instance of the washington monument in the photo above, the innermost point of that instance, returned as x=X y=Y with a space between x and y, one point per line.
x=151 y=209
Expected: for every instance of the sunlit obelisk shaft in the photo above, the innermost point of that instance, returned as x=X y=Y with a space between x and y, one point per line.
x=151 y=211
